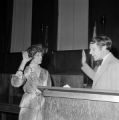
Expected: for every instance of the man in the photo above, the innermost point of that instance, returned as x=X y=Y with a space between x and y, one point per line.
x=107 y=75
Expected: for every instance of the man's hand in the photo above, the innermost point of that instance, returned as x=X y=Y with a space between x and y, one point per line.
x=83 y=57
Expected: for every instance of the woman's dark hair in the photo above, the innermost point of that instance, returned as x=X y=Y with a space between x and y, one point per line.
x=32 y=50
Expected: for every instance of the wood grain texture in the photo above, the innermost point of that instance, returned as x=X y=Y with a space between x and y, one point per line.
x=75 y=109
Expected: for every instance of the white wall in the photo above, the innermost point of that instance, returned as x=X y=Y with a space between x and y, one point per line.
x=72 y=24
x=21 y=25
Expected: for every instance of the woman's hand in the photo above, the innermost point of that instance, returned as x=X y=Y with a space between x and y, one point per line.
x=83 y=57
x=25 y=56
x=19 y=74
x=24 y=61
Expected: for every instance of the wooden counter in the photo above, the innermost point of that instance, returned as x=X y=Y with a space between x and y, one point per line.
x=80 y=104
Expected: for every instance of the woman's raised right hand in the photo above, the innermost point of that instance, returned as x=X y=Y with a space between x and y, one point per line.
x=25 y=56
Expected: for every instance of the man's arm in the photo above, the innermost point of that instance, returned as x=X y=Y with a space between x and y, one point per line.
x=86 y=68
x=88 y=71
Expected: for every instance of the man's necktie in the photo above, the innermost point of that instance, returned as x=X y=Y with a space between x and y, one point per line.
x=98 y=63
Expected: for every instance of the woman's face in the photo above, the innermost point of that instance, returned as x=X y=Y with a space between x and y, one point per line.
x=37 y=58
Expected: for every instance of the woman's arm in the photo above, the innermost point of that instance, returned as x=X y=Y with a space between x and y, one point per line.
x=18 y=79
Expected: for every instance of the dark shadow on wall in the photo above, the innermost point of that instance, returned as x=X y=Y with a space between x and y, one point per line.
x=115 y=52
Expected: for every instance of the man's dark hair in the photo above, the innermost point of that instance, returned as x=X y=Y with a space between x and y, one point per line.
x=102 y=41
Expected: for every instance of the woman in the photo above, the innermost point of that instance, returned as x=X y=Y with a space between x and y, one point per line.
x=31 y=77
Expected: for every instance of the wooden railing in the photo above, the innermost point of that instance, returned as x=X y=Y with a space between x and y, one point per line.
x=83 y=104
x=6 y=109
x=63 y=103
x=81 y=93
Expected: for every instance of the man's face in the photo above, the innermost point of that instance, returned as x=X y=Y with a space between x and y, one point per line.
x=96 y=51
